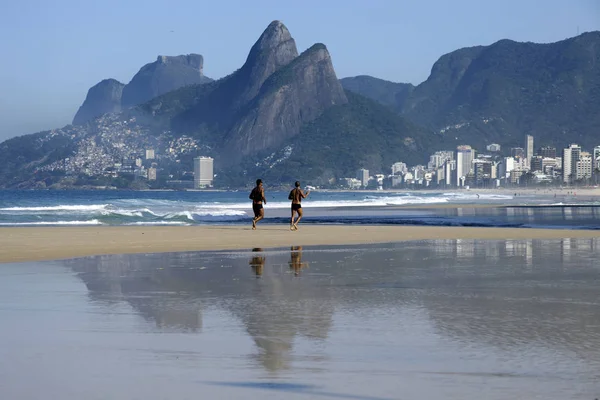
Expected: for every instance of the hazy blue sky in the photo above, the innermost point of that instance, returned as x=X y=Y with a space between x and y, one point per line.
x=53 y=51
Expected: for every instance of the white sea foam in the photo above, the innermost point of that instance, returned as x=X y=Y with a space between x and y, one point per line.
x=95 y=207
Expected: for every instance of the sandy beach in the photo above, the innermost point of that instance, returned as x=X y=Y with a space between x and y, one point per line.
x=53 y=243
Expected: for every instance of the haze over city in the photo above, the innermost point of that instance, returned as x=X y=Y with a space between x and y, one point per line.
x=58 y=51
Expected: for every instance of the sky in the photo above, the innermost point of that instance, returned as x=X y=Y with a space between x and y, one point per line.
x=54 y=51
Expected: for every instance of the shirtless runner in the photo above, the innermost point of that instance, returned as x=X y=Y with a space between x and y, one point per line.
x=296 y=196
x=258 y=198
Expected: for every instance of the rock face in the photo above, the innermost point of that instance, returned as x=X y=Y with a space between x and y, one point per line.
x=294 y=95
x=263 y=103
x=105 y=97
x=274 y=49
x=162 y=76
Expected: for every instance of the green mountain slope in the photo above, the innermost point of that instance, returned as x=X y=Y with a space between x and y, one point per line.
x=502 y=92
x=391 y=94
x=359 y=134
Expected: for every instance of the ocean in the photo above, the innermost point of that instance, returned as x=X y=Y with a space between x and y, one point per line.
x=114 y=207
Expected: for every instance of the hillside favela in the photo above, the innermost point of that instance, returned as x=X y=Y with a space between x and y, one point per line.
x=376 y=200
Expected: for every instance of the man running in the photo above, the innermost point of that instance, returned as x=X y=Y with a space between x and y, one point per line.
x=296 y=196
x=258 y=198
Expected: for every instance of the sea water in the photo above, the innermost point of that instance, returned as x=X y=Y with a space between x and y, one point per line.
x=114 y=207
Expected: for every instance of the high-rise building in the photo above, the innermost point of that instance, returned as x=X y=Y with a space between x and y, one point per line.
x=547 y=152
x=149 y=154
x=536 y=164
x=363 y=176
x=529 y=148
x=596 y=158
x=482 y=171
x=569 y=163
x=203 y=172
x=438 y=159
x=584 y=166
x=505 y=167
x=464 y=163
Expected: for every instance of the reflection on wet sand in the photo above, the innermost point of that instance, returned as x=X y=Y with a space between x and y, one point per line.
x=257 y=262
x=516 y=307
x=170 y=290
x=296 y=263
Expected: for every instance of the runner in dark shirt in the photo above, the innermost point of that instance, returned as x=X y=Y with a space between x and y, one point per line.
x=296 y=196
x=258 y=198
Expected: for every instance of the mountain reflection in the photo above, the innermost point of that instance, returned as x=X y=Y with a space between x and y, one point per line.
x=171 y=289
x=498 y=293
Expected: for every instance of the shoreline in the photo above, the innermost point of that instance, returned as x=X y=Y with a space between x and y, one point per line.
x=22 y=244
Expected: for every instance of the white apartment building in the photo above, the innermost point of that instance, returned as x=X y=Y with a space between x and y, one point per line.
x=569 y=163
x=596 y=158
x=438 y=158
x=203 y=172
x=584 y=166
x=529 y=149
x=399 y=168
x=464 y=163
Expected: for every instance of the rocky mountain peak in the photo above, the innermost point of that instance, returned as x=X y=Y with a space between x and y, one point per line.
x=272 y=37
x=273 y=50
x=167 y=73
x=195 y=61
x=102 y=98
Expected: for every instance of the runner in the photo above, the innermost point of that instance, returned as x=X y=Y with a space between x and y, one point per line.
x=296 y=196
x=258 y=198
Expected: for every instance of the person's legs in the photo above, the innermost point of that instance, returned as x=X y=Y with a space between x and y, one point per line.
x=261 y=215
x=299 y=211
x=258 y=214
x=292 y=219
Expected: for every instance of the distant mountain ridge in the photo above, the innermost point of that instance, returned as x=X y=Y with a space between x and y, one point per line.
x=282 y=115
x=165 y=74
x=388 y=93
x=285 y=116
x=501 y=92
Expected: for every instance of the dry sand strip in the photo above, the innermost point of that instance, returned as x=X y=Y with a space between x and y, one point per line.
x=53 y=243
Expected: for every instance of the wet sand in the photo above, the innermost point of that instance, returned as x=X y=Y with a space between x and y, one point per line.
x=52 y=243
x=445 y=319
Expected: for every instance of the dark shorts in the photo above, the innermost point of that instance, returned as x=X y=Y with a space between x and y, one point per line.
x=296 y=207
x=256 y=208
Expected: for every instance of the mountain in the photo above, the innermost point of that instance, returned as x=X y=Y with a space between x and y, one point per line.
x=391 y=94
x=358 y=134
x=501 y=92
x=282 y=115
x=164 y=75
x=105 y=97
x=261 y=105
x=167 y=73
